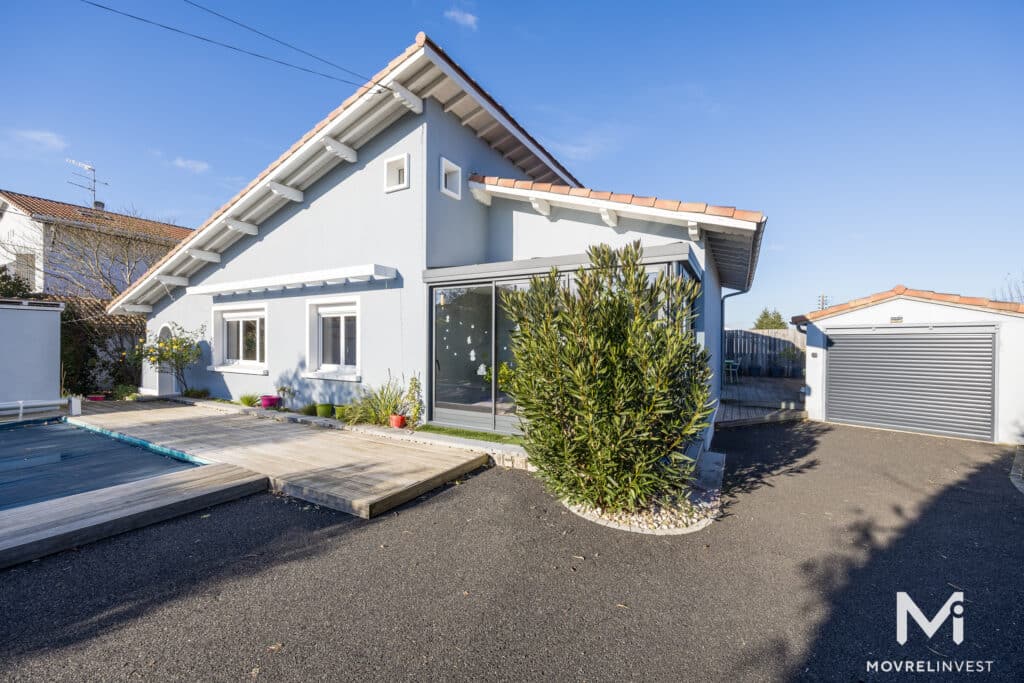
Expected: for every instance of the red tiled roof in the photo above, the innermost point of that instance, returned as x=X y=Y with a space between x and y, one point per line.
x=634 y=200
x=73 y=214
x=94 y=311
x=61 y=212
x=922 y=294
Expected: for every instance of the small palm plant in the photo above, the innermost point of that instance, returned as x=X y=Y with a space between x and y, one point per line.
x=610 y=382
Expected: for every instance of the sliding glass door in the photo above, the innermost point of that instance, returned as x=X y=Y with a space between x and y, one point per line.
x=463 y=349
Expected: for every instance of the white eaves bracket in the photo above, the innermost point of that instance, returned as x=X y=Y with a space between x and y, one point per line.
x=411 y=102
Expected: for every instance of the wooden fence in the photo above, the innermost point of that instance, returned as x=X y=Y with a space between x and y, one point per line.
x=758 y=351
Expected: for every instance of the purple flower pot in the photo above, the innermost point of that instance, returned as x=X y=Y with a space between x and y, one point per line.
x=269 y=401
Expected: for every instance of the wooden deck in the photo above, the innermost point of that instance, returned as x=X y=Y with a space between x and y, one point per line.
x=32 y=531
x=734 y=415
x=354 y=473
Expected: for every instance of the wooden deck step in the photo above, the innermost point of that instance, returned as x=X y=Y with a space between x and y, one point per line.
x=32 y=531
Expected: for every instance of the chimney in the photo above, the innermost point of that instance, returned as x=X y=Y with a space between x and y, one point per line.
x=98 y=205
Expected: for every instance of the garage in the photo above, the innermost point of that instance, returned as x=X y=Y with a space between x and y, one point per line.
x=919 y=361
x=933 y=379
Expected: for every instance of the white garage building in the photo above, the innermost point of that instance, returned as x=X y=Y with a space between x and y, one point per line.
x=919 y=361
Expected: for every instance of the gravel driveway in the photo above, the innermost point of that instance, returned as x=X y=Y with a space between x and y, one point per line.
x=492 y=579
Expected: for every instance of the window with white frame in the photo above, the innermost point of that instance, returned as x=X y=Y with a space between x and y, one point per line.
x=334 y=337
x=244 y=337
x=397 y=173
x=451 y=179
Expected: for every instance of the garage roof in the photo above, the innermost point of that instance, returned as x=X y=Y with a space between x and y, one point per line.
x=901 y=292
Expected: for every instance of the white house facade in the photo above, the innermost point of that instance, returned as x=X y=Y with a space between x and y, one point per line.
x=381 y=241
x=41 y=238
x=917 y=360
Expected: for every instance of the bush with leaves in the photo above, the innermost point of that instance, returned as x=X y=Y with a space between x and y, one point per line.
x=414 y=400
x=610 y=382
x=375 y=405
x=174 y=354
x=249 y=400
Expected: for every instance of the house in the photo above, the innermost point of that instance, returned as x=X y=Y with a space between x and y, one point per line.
x=920 y=361
x=381 y=241
x=62 y=248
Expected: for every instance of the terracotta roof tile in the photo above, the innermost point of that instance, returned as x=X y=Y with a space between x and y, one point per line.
x=633 y=200
x=921 y=294
x=49 y=210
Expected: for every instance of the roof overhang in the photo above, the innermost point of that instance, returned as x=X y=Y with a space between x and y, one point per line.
x=422 y=71
x=734 y=242
x=900 y=292
x=317 y=278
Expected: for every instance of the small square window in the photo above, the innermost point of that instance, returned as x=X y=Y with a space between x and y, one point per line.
x=397 y=170
x=451 y=179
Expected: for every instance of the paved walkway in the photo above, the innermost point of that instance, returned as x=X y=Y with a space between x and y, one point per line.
x=495 y=580
x=354 y=473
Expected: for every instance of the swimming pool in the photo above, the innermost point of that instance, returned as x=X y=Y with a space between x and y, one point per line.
x=43 y=461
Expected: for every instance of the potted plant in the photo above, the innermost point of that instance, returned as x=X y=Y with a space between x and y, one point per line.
x=324 y=409
x=397 y=420
x=284 y=393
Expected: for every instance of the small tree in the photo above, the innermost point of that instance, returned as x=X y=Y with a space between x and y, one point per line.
x=12 y=286
x=770 y=320
x=174 y=354
x=610 y=383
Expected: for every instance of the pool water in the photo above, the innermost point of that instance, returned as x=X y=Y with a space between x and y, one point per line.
x=44 y=461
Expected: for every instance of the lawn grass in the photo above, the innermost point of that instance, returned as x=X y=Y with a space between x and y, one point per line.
x=472 y=434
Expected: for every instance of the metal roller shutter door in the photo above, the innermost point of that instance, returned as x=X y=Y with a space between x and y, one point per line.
x=930 y=381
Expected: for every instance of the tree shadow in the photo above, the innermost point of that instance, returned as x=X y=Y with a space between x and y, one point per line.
x=78 y=595
x=958 y=528
x=756 y=455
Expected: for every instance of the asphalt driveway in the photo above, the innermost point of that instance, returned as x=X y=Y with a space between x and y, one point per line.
x=492 y=579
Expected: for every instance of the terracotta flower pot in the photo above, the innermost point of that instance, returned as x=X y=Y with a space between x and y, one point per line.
x=398 y=421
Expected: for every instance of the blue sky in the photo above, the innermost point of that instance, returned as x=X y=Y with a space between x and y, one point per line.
x=883 y=140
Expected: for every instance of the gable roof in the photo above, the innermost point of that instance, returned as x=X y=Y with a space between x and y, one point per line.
x=62 y=213
x=732 y=235
x=901 y=292
x=421 y=71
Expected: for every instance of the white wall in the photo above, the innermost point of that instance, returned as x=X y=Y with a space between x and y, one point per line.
x=20 y=234
x=1009 y=353
x=29 y=353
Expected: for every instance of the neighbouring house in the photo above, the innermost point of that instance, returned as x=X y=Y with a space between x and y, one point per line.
x=30 y=361
x=62 y=248
x=382 y=240
x=916 y=360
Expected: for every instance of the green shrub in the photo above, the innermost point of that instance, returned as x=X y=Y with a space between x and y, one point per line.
x=133 y=397
x=309 y=410
x=249 y=400
x=375 y=405
x=196 y=393
x=414 y=401
x=123 y=391
x=610 y=382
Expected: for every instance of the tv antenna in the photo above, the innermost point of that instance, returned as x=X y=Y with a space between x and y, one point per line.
x=89 y=177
